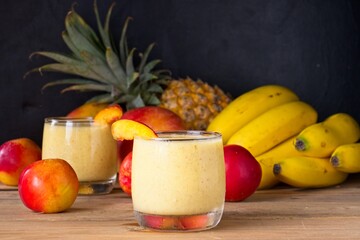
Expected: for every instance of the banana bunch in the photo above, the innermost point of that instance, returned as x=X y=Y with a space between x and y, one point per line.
x=330 y=153
x=262 y=118
x=269 y=158
x=346 y=158
x=283 y=134
x=248 y=106
x=274 y=126
x=308 y=172
x=321 y=139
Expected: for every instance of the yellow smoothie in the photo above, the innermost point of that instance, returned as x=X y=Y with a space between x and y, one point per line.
x=88 y=147
x=178 y=177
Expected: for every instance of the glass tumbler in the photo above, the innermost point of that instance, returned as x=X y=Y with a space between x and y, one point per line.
x=178 y=181
x=87 y=146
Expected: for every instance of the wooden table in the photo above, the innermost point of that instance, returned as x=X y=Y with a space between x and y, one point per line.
x=280 y=213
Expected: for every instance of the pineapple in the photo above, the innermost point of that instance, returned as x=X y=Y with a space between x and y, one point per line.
x=97 y=64
x=196 y=102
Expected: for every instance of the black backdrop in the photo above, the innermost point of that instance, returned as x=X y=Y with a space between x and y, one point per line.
x=311 y=47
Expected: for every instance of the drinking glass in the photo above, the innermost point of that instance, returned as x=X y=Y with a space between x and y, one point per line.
x=178 y=180
x=87 y=146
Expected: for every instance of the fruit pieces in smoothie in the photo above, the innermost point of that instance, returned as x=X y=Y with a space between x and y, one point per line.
x=194 y=222
x=160 y=222
x=185 y=223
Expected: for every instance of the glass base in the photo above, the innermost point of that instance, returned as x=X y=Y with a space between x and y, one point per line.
x=95 y=188
x=182 y=223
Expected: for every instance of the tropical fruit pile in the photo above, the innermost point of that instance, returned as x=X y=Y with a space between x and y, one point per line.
x=271 y=122
x=284 y=135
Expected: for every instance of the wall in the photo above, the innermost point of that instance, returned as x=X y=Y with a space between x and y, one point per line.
x=311 y=47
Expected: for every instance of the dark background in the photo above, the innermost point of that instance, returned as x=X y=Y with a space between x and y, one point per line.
x=311 y=47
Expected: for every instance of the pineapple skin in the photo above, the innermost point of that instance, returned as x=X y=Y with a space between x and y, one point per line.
x=196 y=102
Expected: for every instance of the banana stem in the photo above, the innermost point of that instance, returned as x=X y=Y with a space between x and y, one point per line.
x=300 y=145
x=335 y=161
x=276 y=169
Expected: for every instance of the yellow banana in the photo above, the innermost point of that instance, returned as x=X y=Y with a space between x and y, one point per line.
x=284 y=149
x=274 y=126
x=268 y=179
x=247 y=106
x=346 y=158
x=268 y=159
x=308 y=172
x=321 y=139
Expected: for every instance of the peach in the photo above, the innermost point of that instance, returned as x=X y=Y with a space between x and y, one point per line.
x=48 y=186
x=87 y=110
x=125 y=129
x=243 y=173
x=125 y=174
x=109 y=115
x=157 y=118
x=124 y=147
x=15 y=155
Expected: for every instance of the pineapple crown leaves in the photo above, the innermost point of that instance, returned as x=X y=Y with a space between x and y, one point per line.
x=101 y=66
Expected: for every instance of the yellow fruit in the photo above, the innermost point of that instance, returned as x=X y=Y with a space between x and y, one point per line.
x=126 y=129
x=268 y=179
x=346 y=158
x=268 y=159
x=248 y=106
x=321 y=139
x=87 y=110
x=274 y=126
x=308 y=172
x=196 y=102
x=109 y=114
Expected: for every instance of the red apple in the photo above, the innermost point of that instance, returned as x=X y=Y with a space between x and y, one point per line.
x=243 y=173
x=157 y=118
x=15 y=155
x=125 y=174
x=48 y=186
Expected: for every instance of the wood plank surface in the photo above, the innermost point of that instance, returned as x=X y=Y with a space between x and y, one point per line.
x=280 y=213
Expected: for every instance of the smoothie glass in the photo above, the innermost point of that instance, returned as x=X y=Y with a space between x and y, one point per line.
x=87 y=146
x=178 y=181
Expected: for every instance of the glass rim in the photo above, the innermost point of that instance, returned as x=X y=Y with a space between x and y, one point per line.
x=183 y=135
x=68 y=120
